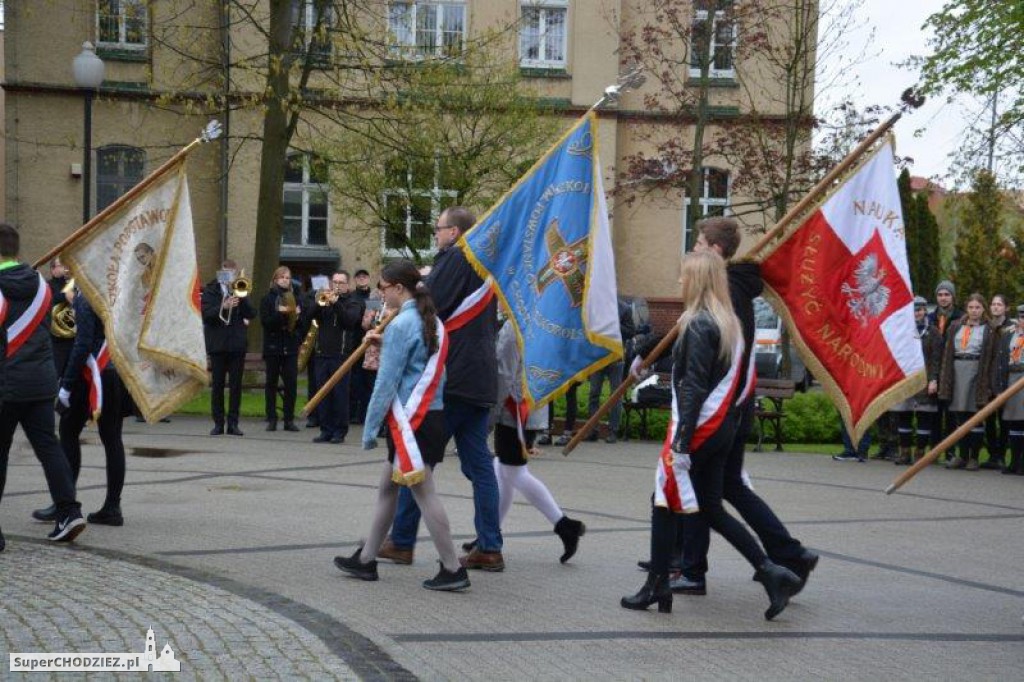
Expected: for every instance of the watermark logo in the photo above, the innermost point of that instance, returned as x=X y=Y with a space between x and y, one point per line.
x=147 y=661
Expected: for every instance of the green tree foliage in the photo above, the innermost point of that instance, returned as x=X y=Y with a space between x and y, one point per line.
x=443 y=134
x=978 y=243
x=926 y=275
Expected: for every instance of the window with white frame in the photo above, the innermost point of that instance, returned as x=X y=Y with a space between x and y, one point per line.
x=713 y=37
x=305 y=201
x=121 y=24
x=434 y=28
x=308 y=39
x=713 y=200
x=411 y=211
x=118 y=169
x=543 y=36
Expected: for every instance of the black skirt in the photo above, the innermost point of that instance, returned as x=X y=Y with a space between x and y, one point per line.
x=507 y=446
x=431 y=437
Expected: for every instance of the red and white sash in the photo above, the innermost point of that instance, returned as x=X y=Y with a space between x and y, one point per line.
x=403 y=420
x=520 y=412
x=22 y=328
x=92 y=374
x=471 y=306
x=672 y=485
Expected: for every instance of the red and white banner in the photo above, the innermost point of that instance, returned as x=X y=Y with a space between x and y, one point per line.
x=403 y=420
x=138 y=270
x=92 y=374
x=21 y=329
x=842 y=283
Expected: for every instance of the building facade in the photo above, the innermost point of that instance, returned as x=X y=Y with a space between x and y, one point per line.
x=568 y=50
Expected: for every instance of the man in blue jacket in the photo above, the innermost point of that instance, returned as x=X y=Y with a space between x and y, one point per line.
x=470 y=317
x=28 y=383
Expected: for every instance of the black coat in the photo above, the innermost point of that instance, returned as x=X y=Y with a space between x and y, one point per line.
x=220 y=337
x=28 y=375
x=89 y=338
x=277 y=339
x=696 y=370
x=472 y=365
x=745 y=284
x=341 y=326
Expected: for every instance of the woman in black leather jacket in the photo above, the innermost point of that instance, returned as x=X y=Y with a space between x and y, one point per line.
x=707 y=363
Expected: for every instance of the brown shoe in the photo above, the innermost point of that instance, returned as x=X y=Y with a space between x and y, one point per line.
x=394 y=554
x=485 y=561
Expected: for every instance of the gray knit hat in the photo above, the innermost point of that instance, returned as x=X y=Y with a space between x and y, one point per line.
x=946 y=285
x=920 y=302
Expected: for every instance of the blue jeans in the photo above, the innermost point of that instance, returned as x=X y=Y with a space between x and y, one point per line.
x=468 y=424
x=862 y=447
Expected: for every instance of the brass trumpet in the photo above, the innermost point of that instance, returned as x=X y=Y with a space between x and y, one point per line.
x=241 y=285
x=326 y=298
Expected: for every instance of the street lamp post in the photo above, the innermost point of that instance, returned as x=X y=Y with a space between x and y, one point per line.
x=88 y=71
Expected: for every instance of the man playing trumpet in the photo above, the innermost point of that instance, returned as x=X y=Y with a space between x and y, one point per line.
x=226 y=315
x=340 y=316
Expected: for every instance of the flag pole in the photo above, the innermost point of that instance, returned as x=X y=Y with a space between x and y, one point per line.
x=823 y=185
x=620 y=392
x=952 y=439
x=210 y=132
x=333 y=380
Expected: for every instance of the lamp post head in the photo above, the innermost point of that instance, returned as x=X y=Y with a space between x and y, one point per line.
x=87 y=68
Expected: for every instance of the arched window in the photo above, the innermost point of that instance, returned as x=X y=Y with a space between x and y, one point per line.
x=305 y=201
x=118 y=169
x=714 y=200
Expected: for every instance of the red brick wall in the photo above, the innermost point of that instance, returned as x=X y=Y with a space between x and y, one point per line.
x=664 y=313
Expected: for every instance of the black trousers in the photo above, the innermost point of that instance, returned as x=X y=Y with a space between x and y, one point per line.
x=995 y=437
x=109 y=426
x=283 y=368
x=362 y=388
x=779 y=545
x=921 y=434
x=333 y=409
x=707 y=472
x=229 y=366
x=36 y=420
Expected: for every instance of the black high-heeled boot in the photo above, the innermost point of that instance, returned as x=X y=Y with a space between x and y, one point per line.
x=570 y=531
x=780 y=583
x=656 y=589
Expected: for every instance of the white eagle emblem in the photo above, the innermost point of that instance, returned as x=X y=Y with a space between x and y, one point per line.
x=868 y=297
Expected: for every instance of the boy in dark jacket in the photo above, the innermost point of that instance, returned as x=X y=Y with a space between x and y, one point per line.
x=28 y=383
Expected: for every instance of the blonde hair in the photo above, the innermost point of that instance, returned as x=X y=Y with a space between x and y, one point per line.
x=281 y=270
x=706 y=289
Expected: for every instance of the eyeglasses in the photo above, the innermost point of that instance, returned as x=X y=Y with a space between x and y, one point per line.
x=438 y=228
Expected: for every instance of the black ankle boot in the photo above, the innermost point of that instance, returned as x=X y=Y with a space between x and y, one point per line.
x=570 y=531
x=656 y=589
x=1011 y=468
x=780 y=583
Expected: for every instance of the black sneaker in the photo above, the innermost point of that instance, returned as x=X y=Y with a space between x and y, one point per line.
x=356 y=568
x=67 y=528
x=47 y=514
x=848 y=457
x=469 y=546
x=448 y=581
x=544 y=439
x=107 y=516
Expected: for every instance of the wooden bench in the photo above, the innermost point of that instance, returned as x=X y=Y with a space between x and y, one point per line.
x=769 y=396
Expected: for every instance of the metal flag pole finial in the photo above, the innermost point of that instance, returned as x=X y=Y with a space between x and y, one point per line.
x=630 y=80
x=212 y=131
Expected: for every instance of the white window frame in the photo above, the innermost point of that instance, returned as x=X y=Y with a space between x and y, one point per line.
x=305 y=23
x=546 y=7
x=122 y=28
x=435 y=193
x=720 y=15
x=404 y=41
x=121 y=151
x=707 y=202
x=306 y=187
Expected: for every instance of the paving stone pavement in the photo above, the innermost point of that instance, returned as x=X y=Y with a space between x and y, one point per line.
x=227 y=546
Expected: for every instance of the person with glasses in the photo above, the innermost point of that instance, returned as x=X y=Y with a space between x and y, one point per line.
x=922 y=407
x=340 y=322
x=469 y=312
x=1009 y=368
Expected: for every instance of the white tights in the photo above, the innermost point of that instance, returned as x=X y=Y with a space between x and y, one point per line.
x=513 y=478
